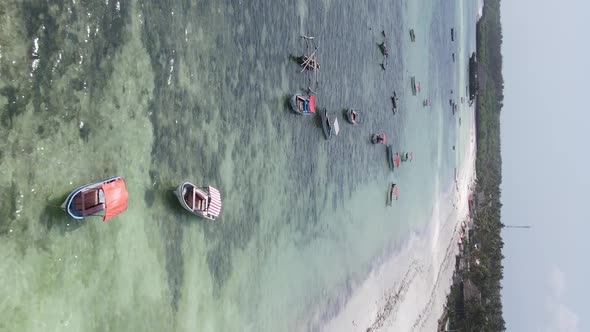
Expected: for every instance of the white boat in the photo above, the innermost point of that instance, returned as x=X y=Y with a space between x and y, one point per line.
x=201 y=201
x=330 y=129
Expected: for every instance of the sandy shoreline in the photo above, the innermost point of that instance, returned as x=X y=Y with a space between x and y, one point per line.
x=395 y=297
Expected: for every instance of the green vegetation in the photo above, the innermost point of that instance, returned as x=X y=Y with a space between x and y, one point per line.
x=474 y=303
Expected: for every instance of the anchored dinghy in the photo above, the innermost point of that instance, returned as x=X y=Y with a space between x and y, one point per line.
x=201 y=201
x=331 y=129
x=108 y=197
x=304 y=105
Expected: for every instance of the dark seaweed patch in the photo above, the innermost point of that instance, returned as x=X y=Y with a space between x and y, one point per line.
x=174 y=261
x=149 y=197
x=8 y=197
x=14 y=106
x=218 y=260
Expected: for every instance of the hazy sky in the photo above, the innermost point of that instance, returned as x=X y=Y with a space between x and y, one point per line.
x=546 y=155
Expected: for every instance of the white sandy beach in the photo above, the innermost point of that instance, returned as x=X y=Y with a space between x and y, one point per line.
x=408 y=291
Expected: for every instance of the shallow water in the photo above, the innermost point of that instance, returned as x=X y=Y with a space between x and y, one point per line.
x=161 y=92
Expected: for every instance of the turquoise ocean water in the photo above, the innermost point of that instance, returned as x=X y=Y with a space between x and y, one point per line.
x=164 y=91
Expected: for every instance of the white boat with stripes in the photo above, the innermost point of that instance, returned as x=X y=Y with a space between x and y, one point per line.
x=201 y=201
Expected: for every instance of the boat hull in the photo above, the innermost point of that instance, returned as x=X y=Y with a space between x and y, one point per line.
x=295 y=108
x=69 y=206
x=325 y=124
x=375 y=139
x=179 y=192
x=349 y=117
x=391 y=194
x=293 y=103
x=390 y=157
x=413 y=85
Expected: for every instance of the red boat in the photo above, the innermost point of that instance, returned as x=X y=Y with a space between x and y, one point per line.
x=304 y=105
x=92 y=199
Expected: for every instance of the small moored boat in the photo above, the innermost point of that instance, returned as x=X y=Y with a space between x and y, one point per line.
x=304 y=105
x=413 y=85
x=92 y=199
x=406 y=156
x=393 y=159
x=330 y=129
x=379 y=139
x=201 y=201
x=390 y=157
x=392 y=193
x=394 y=99
x=353 y=116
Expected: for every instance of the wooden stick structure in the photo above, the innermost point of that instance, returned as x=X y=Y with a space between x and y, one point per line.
x=310 y=61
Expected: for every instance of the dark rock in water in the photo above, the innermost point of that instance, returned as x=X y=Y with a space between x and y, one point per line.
x=84 y=133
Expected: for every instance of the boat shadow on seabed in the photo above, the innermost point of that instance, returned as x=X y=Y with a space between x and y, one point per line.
x=53 y=216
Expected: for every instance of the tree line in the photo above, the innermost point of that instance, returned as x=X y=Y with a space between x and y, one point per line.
x=483 y=251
